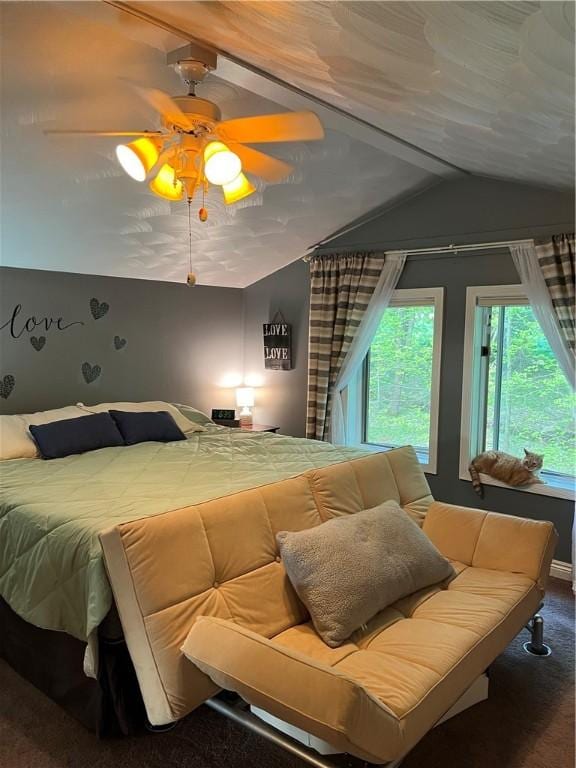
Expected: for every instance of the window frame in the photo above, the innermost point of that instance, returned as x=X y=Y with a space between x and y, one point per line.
x=474 y=377
x=415 y=297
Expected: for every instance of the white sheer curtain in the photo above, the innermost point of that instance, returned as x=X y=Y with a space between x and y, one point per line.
x=345 y=424
x=527 y=265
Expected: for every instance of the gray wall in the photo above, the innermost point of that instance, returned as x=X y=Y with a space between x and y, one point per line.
x=180 y=341
x=472 y=210
x=466 y=211
x=281 y=400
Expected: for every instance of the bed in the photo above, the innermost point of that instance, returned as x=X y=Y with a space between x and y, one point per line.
x=56 y=603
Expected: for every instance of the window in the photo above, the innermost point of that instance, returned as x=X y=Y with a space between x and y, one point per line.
x=515 y=395
x=401 y=375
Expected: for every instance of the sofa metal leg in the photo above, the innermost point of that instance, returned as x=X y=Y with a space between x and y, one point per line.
x=243 y=717
x=536 y=646
x=160 y=728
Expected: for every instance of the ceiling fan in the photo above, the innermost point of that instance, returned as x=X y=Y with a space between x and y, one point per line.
x=195 y=148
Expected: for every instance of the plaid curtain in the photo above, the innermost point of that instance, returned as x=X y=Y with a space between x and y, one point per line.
x=341 y=288
x=556 y=260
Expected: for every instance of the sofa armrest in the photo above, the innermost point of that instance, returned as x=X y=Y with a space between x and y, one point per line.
x=294 y=687
x=491 y=540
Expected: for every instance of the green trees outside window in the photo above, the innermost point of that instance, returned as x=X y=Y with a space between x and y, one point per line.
x=399 y=378
x=529 y=402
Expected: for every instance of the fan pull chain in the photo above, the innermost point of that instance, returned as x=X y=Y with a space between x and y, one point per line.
x=203 y=213
x=191 y=279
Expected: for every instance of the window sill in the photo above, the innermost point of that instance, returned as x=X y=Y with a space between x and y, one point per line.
x=548 y=489
x=423 y=457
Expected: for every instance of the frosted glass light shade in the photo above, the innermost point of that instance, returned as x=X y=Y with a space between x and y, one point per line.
x=237 y=189
x=221 y=166
x=245 y=397
x=137 y=158
x=166 y=185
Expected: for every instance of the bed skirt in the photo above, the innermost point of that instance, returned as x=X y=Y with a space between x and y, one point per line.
x=53 y=662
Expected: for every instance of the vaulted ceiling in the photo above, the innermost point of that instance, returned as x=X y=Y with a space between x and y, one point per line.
x=487 y=86
x=409 y=93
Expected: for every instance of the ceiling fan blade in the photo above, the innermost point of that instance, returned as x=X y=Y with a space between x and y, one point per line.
x=253 y=161
x=288 y=126
x=72 y=132
x=167 y=107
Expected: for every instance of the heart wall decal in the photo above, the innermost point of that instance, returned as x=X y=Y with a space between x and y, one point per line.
x=6 y=386
x=90 y=372
x=119 y=343
x=98 y=308
x=38 y=342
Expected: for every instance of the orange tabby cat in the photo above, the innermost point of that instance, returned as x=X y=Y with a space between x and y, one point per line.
x=508 y=469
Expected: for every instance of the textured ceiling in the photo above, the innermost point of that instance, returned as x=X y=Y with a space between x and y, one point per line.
x=485 y=86
x=68 y=206
x=488 y=86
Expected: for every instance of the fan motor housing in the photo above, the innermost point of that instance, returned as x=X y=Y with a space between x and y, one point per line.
x=201 y=112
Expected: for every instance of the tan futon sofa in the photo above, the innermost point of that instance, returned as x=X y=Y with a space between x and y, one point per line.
x=205 y=604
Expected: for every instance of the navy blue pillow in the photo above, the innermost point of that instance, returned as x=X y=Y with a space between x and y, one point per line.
x=147 y=426
x=69 y=436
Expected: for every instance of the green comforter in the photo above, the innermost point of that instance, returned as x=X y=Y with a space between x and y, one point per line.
x=51 y=512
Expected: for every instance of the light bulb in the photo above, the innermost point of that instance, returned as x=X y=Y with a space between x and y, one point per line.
x=165 y=184
x=221 y=166
x=137 y=158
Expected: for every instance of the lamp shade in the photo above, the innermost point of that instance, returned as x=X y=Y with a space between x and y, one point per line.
x=165 y=184
x=138 y=157
x=245 y=397
x=237 y=189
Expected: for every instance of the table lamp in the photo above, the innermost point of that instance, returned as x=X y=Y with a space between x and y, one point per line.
x=245 y=400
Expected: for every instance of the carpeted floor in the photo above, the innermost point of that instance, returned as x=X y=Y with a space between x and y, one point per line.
x=528 y=722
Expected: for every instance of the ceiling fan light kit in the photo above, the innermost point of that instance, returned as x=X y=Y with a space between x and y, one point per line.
x=195 y=148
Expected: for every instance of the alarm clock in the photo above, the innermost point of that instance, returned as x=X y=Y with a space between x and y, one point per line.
x=223 y=414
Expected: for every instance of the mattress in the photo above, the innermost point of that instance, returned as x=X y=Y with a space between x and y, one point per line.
x=51 y=512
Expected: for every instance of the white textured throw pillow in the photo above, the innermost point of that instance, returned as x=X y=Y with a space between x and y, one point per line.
x=15 y=439
x=350 y=568
x=185 y=424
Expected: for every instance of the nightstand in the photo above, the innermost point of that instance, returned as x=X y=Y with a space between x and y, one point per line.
x=254 y=428
x=261 y=428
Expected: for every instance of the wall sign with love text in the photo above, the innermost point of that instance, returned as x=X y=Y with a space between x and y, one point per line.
x=277 y=345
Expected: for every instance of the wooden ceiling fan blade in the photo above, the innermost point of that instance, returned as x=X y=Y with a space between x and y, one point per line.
x=288 y=126
x=73 y=132
x=165 y=105
x=253 y=161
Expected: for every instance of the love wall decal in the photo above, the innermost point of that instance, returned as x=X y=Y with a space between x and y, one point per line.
x=6 y=386
x=90 y=372
x=98 y=308
x=17 y=325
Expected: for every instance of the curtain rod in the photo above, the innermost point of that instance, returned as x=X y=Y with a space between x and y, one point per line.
x=447 y=249
x=452 y=248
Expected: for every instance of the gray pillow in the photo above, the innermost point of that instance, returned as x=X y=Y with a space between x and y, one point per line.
x=350 y=568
